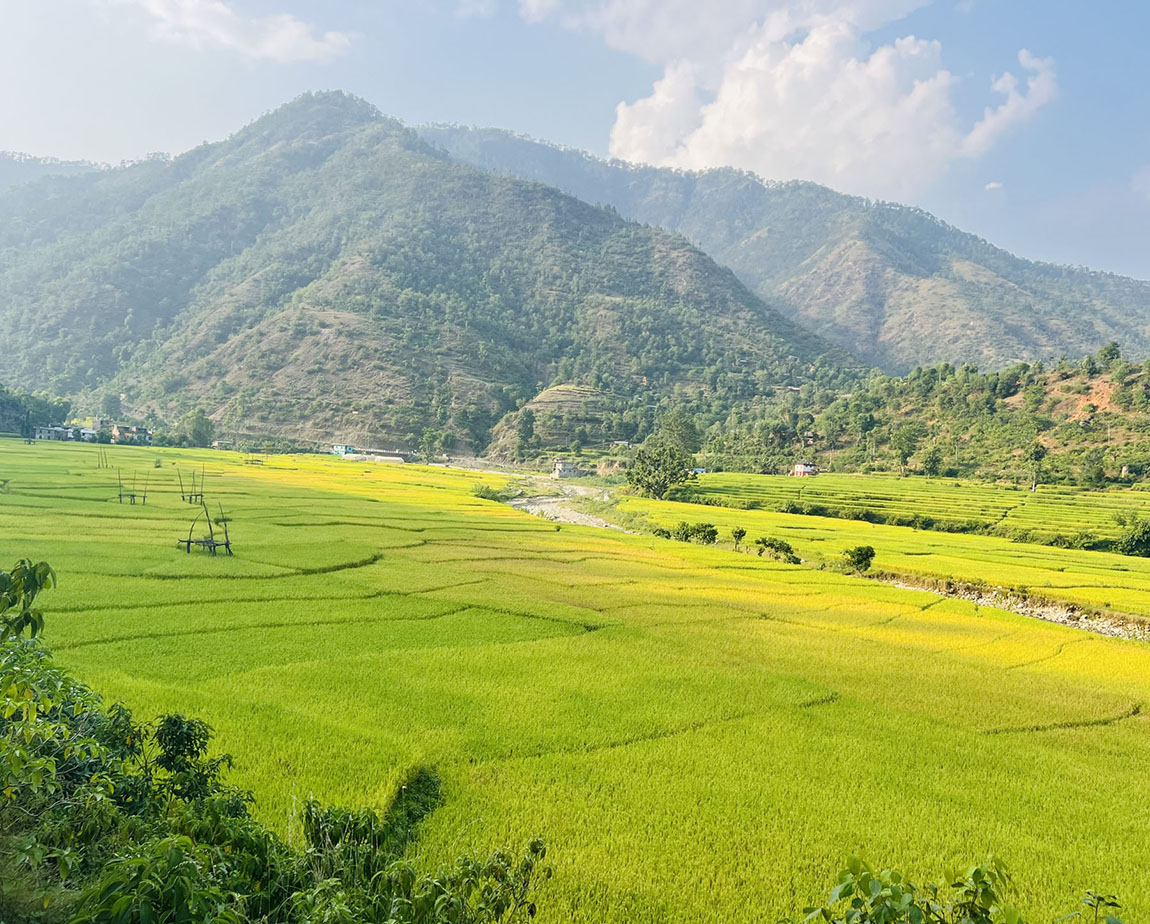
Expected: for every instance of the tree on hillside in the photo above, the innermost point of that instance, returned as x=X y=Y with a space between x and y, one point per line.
x=932 y=461
x=1109 y=354
x=524 y=430
x=738 y=534
x=678 y=428
x=904 y=440
x=657 y=467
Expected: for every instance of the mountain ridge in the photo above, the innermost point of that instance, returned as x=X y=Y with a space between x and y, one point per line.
x=826 y=257
x=323 y=272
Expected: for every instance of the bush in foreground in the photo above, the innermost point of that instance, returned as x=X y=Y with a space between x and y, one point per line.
x=106 y=820
x=975 y=895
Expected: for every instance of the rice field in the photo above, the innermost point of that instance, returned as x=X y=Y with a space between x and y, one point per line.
x=1096 y=581
x=699 y=735
x=1051 y=510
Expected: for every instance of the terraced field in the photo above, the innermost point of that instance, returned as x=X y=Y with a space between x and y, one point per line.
x=1098 y=581
x=1050 y=510
x=699 y=735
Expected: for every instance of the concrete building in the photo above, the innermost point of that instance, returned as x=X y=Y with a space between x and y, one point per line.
x=804 y=469
x=561 y=468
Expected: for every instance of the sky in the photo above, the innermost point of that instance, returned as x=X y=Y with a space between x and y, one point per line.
x=1024 y=121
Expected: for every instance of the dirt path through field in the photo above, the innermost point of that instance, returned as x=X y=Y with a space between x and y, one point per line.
x=558 y=508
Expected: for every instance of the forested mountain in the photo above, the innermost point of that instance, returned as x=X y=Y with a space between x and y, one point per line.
x=893 y=284
x=325 y=273
x=16 y=169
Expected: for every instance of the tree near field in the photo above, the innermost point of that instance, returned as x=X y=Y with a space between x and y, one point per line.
x=932 y=461
x=1034 y=455
x=657 y=467
x=904 y=440
x=1135 y=538
x=197 y=428
x=858 y=558
x=738 y=534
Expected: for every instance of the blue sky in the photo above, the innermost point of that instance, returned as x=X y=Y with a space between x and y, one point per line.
x=1023 y=121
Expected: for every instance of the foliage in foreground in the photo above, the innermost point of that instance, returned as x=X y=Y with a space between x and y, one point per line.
x=975 y=895
x=104 y=820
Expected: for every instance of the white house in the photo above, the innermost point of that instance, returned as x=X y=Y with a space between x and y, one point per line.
x=561 y=468
x=804 y=469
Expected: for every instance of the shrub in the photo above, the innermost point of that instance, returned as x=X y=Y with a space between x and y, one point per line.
x=975 y=895
x=702 y=533
x=778 y=549
x=486 y=492
x=858 y=558
x=116 y=822
x=1135 y=538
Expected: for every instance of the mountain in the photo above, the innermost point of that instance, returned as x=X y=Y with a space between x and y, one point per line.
x=893 y=284
x=16 y=169
x=324 y=273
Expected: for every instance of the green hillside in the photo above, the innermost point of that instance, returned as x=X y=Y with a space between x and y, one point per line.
x=323 y=273
x=17 y=169
x=893 y=284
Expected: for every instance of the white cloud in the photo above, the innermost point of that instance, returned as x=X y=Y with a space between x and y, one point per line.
x=214 y=24
x=992 y=186
x=476 y=9
x=794 y=89
x=1041 y=88
x=1140 y=182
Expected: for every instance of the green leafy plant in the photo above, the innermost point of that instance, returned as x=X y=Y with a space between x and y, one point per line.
x=863 y=895
x=778 y=549
x=858 y=558
x=19 y=589
x=1099 y=906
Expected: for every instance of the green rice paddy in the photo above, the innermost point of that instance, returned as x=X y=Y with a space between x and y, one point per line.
x=699 y=735
x=1051 y=510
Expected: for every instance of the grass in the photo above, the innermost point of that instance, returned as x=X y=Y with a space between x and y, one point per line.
x=700 y=736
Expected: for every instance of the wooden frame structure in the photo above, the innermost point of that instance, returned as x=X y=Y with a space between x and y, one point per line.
x=132 y=495
x=209 y=543
x=192 y=495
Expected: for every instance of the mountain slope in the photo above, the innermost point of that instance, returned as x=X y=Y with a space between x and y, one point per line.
x=324 y=273
x=893 y=284
x=17 y=169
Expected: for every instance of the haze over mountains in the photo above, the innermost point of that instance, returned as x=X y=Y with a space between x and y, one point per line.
x=892 y=283
x=324 y=272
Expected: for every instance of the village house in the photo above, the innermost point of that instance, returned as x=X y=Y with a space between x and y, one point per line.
x=804 y=469
x=123 y=433
x=54 y=433
x=561 y=468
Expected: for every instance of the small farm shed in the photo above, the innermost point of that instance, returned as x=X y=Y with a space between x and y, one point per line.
x=804 y=469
